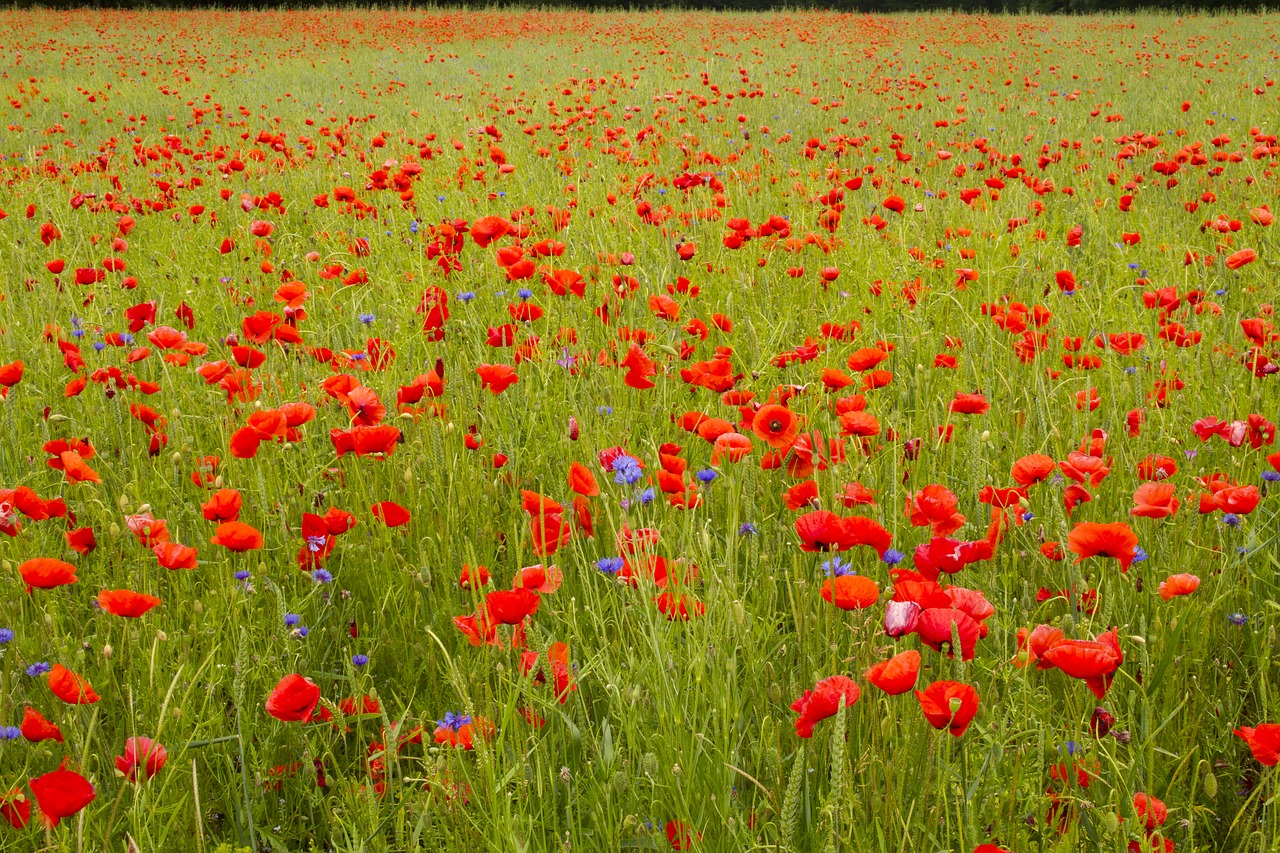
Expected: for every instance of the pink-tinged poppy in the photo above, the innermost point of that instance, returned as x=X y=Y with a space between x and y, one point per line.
x=60 y=795
x=390 y=513
x=823 y=701
x=141 y=754
x=896 y=675
x=936 y=703
x=293 y=699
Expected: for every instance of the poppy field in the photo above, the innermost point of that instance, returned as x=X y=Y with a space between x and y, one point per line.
x=638 y=431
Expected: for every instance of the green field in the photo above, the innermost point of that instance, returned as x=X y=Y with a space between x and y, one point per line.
x=475 y=430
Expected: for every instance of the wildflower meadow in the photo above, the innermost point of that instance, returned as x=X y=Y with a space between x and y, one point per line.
x=527 y=430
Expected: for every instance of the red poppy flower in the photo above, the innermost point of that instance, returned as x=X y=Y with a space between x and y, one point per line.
x=36 y=728
x=141 y=753
x=1032 y=469
x=1263 y=741
x=124 y=602
x=1152 y=813
x=777 y=426
x=582 y=481
x=937 y=626
x=823 y=701
x=390 y=513
x=293 y=699
x=61 y=794
x=851 y=592
x=497 y=377
x=69 y=687
x=896 y=675
x=174 y=556
x=46 y=573
x=1155 y=500
x=1174 y=585
x=679 y=606
x=510 y=607
x=934 y=506
x=1092 y=539
x=15 y=808
x=969 y=404
x=224 y=505
x=81 y=540
x=936 y=703
x=237 y=536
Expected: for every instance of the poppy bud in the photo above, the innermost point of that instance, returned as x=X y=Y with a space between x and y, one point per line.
x=107 y=652
x=900 y=617
x=1101 y=722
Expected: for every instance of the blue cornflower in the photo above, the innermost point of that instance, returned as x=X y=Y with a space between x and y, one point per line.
x=359 y=356
x=837 y=568
x=38 y=669
x=10 y=732
x=1028 y=515
x=627 y=471
x=315 y=543
x=1237 y=618
x=322 y=576
x=413 y=226
x=604 y=410
x=748 y=529
x=439 y=198
x=302 y=631
x=126 y=337
x=359 y=660
x=1220 y=292
x=466 y=296
x=1139 y=554
x=77 y=333
x=292 y=619
x=367 y=319
x=524 y=293
x=892 y=556
x=453 y=721
x=1231 y=519
x=1131 y=370
x=609 y=565
x=6 y=635
x=646 y=497
x=99 y=346
x=706 y=475
x=1271 y=476
x=241 y=575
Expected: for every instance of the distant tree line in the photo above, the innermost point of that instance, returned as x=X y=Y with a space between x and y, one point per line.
x=1068 y=7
